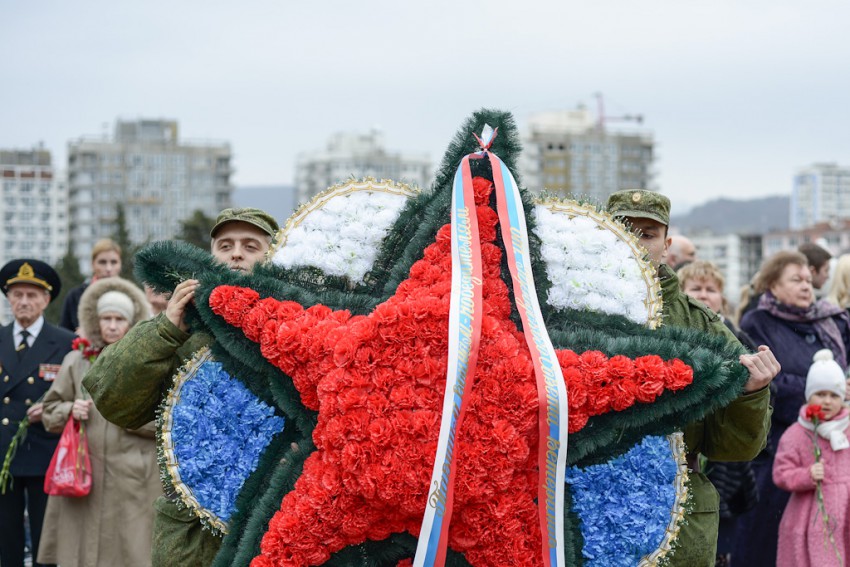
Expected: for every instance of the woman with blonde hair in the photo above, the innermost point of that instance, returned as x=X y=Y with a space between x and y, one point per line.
x=105 y=263
x=113 y=524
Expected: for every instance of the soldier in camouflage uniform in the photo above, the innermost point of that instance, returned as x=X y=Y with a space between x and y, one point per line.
x=130 y=378
x=734 y=433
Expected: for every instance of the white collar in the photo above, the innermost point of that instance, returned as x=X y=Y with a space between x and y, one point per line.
x=33 y=329
x=832 y=430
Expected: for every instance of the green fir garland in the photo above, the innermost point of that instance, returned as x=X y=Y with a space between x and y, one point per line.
x=718 y=376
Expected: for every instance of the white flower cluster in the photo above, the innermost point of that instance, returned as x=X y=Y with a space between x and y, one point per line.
x=343 y=237
x=590 y=267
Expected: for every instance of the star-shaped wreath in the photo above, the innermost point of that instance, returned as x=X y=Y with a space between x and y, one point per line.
x=358 y=368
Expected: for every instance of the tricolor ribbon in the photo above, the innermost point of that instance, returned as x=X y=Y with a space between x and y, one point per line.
x=464 y=334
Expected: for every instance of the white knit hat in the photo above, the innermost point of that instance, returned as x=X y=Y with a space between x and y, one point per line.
x=116 y=302
x=825 y=375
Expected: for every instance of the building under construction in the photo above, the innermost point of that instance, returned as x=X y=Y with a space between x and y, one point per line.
x=574 y=154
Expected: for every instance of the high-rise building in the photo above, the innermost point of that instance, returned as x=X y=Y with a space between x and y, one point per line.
x=572 y=154
x=159 y=179
x=821 y=193
x=834 y=236
x=737 y=256
x=34 y=210
x=350 y=155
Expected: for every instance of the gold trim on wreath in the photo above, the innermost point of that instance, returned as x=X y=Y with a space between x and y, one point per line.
x=170 y=468
x=603 y=219
x=677 y=448
x=339 y=190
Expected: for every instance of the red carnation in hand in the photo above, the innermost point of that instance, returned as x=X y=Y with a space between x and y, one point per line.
x=814 y=411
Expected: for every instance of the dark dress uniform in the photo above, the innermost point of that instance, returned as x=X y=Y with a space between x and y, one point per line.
x=24 y=377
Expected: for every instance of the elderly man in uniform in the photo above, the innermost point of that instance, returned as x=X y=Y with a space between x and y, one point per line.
x=31 y=351
x=129 y=379
x=734 y=433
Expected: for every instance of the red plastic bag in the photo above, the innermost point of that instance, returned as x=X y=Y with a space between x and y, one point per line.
x=69 y=473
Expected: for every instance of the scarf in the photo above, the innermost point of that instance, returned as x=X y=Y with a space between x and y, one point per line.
x=821 y=314
x=832 y=430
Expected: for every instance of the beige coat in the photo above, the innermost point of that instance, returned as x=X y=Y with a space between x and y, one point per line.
x=113 y=525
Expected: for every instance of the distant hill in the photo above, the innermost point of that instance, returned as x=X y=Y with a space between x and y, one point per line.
x=277 y=200
x=729 y=216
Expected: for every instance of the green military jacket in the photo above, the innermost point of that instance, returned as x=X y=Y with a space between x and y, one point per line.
x=128 y=382
x=737 y=432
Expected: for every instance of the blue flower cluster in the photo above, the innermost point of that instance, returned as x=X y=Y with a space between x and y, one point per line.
x=219 y=431
x=624 y=505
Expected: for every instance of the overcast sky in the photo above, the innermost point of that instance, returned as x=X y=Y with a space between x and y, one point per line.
x=737 y=93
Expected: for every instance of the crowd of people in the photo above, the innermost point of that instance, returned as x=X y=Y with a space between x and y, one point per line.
x=745 y=461
x=770 y=514
x=43 y=367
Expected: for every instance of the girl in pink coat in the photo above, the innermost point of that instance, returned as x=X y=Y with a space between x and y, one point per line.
x=802 y=539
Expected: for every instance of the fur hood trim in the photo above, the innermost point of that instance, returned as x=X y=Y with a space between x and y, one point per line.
x=87 y=313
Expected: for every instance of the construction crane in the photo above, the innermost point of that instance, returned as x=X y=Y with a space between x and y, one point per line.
x=602 y=119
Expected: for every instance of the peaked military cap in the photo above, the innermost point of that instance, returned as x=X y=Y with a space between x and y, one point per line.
x=30 y=271
x=640 y=203
x=257 y=217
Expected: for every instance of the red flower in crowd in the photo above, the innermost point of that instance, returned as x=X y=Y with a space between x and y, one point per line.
x=814 y=412
x=83 y=345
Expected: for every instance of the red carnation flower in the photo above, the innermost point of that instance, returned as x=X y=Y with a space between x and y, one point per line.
x=624 y=393
x=481 y=188
x=576 y=421
x=814 y=411
x=679 y=375
x=649 y=389
x=567 y=358
x=620 y=367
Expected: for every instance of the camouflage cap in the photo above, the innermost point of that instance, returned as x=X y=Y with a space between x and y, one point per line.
x=257 y=217
x=640 y=203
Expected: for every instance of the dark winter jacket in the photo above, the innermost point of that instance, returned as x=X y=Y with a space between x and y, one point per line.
x=734 y=433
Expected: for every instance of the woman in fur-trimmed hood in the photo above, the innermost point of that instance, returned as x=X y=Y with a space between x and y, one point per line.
x=113 y=524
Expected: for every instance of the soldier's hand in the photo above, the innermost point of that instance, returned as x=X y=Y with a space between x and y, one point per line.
x=763 y=368
x=183 y=294
x=34 y=413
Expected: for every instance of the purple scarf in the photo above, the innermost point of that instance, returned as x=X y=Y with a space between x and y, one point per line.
x=821 y=314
